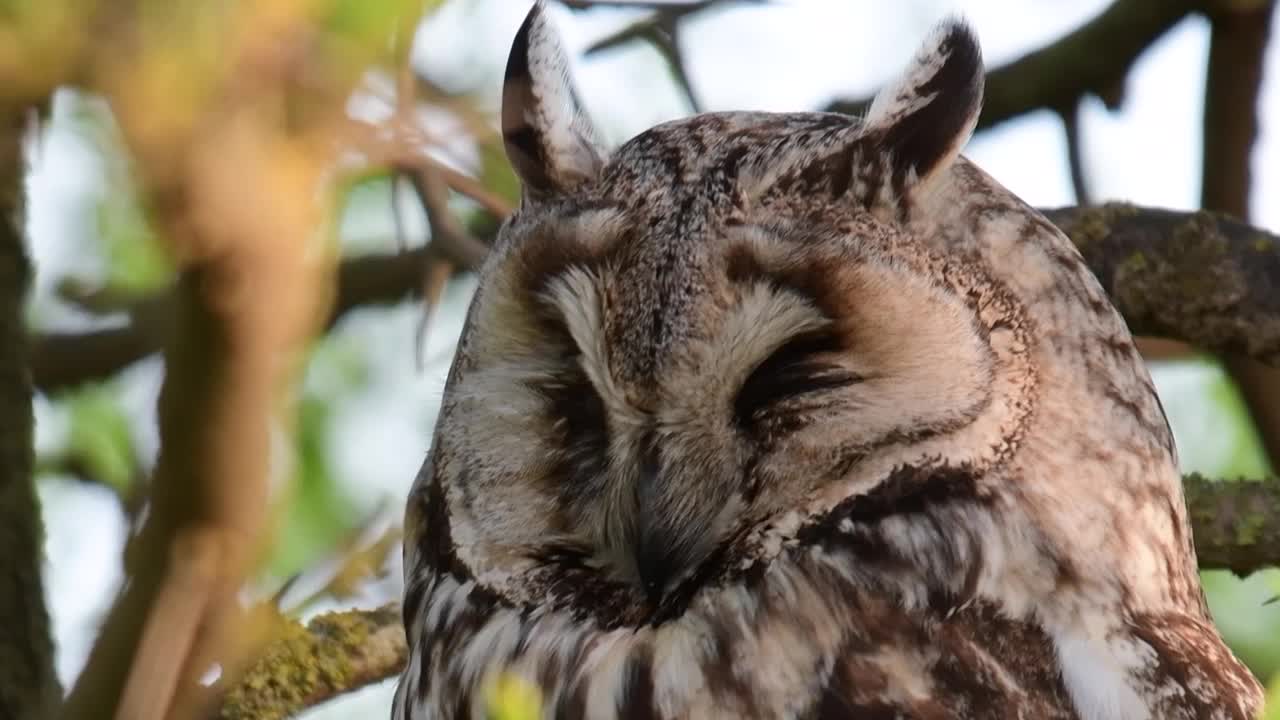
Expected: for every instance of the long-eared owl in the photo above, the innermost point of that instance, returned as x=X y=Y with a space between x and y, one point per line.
x=797 y=415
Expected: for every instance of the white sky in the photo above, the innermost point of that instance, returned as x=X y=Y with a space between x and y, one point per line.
x=787 y=55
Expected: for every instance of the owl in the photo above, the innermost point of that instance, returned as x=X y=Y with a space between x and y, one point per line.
x=797 y=415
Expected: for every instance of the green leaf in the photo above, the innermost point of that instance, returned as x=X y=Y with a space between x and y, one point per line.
x=100 y=438
x=316 y=513
x=136 y=259
x=371 y=27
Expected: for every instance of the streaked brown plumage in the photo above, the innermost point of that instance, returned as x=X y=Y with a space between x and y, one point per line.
x=798 y=415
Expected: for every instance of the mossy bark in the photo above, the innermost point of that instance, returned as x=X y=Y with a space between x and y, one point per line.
x=1236 y=524
x=304 y=666
x=28 y=684
x=1200 y=277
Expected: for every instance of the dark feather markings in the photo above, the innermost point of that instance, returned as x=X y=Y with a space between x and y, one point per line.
x=637 y=700
x=909 y=490
x=577 y=471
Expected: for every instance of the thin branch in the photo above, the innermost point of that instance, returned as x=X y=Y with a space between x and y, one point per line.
x=1075 y=152
x=449 y=240
x=666 y=39
x=63 y=360
x=661 y=29
x=469 y=187
x=1092 y=60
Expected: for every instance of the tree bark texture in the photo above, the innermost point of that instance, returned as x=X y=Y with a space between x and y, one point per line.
x=28 y=683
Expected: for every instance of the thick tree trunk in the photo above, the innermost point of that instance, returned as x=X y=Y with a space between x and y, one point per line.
x=28 y=684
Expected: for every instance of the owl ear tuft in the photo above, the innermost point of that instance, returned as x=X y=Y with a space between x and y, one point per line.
x=924 y=118
x=549 y=140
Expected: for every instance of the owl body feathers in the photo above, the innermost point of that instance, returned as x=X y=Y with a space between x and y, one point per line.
x=798 y=415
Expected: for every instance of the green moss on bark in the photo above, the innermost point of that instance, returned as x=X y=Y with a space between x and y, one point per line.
x=334 y=653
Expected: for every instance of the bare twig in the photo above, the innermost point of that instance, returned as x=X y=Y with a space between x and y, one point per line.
x=1092 y=60
x=471 y=188
x=1075 y=152
x=449 y=240
x=666 y=39
x=171 y=629
x=1237 y=48
x=661 y=29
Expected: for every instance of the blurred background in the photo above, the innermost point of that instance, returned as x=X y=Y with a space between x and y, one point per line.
x=371 y=383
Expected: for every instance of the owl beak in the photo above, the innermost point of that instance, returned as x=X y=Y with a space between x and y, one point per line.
x=672 y=535
x=655 y=545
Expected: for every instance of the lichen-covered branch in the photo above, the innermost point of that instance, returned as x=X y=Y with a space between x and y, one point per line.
x=1092 y=60
x=1196 y=276
x=1236 y=524
x=305 y=666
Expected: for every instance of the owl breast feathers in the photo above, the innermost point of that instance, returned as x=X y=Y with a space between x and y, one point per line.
x=797 y=416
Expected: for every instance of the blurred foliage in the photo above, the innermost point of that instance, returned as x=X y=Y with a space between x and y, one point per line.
x=511 y=697
x=136 y=260
x=316 y=513
x=100 y=437
x=496 y=173
x=1273 y=700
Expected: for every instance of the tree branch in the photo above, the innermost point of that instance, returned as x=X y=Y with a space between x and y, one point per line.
x=661 y=30
x=1199 y=277
x=1236 y=524
x=64 y=360
x=305 y=666
x=28 y=684
x=1092 y=60
x=1075 y=153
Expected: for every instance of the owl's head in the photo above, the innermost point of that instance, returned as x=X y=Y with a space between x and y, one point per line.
x=683 y=353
